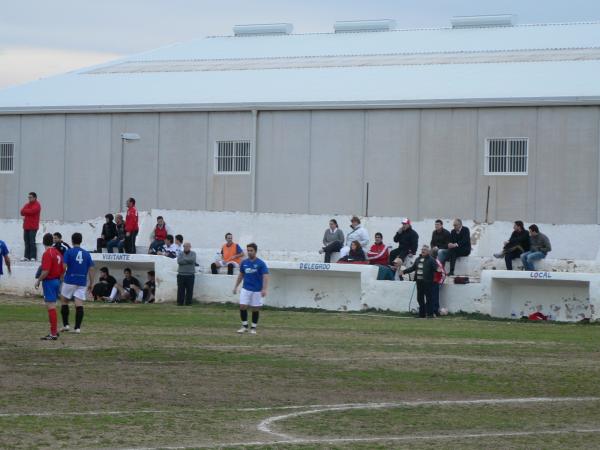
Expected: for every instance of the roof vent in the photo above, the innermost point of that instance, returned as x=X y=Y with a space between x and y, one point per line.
x=500 y=20
x=357 y=26
x=260 y=29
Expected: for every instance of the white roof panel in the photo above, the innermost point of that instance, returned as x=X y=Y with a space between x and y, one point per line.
x=523 y=64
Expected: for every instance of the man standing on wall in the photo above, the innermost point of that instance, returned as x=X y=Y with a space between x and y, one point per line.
x=255 y=274
x=52 y=270
x=131 y=226
x=31 y=223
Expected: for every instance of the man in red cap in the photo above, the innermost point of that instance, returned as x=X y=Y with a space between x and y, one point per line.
x=408 y=241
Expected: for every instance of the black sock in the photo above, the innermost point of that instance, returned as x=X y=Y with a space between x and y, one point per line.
x=244 y=317
x=214 y=269
x=230 y=269
x=254 y=318
x=78 y=316
x=64 y=312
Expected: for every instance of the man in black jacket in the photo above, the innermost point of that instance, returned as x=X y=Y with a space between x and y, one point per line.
x=408 y=241
x=517 y=243
x=440 y=237
x=109 y=232
x=459 y=245
x=424 y=268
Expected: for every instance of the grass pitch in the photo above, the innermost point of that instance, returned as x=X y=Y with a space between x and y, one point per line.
x=159 y=376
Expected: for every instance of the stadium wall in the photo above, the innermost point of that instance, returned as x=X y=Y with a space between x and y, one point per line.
x=419 y=163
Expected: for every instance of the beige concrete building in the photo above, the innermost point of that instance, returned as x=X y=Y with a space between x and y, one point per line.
x=418 y=123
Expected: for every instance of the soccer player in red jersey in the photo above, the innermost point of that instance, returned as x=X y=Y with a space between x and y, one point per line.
x=52 y=272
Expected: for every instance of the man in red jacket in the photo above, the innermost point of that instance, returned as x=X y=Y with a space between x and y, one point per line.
x=131 y=226
x=31 y=224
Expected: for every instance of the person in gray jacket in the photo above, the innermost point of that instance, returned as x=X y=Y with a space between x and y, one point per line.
x=539 y=247
x=185 y=275
x=333 y=240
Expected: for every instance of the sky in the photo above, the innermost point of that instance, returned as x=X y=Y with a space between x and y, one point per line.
x=40 y=38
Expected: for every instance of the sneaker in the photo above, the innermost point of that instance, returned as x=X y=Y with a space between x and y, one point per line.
x=66 y=328
x=497 y=255
x=242 y=330
x=24 y=259
x=49 y=338
x=77 y=330
x=253 y=331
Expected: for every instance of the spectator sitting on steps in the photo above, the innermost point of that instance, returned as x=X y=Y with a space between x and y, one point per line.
x=357 y=233
x=109 y=232
x=408 y=241
x=517 y=243
x=459 y=245
x=231 y=256
x=158 y=236
x=538 y=249
x=118 y=240
x=379 y=252
x=333 y=240
x=355 y=256
x=440 y=237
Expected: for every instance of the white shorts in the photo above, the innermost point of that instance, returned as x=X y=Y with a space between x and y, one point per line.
x=69 y=291
x=249 y=298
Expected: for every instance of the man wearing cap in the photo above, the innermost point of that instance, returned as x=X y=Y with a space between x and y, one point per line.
x=408 y=241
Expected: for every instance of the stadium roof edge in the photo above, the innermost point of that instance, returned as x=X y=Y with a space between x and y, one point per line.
x=276 y=106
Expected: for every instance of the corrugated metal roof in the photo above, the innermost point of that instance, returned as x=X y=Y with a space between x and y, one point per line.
x=522 y=64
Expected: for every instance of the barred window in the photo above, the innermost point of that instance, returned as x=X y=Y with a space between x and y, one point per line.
x=232 y=157
x=7 y=156
x=506 y=156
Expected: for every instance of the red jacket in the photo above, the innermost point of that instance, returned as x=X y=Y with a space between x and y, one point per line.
x=131 y=220
x=31 y=215
x=378 y=254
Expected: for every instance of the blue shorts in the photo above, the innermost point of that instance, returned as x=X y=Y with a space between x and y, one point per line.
x=51 y=289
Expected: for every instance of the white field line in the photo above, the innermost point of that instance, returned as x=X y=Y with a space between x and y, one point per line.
x=309 y=409
x=266 y=424
x=375 y=439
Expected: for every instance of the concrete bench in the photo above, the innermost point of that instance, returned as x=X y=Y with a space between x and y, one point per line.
x=563 y=296
x=165 y=270
x=300 y=285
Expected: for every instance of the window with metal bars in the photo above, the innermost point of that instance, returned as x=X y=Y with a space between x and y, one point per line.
x=232 y=157
x=506 y=156
x=7 y=157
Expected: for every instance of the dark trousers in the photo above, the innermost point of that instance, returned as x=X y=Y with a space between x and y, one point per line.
x=100 y=244
x=508 y=257
x=424 y=298
x=29 y=240
x=215 y=269
x=331 y=248
x=130 y=242
x=435 y=298
x=185 y=289
x=398 y=253
x=452 y=254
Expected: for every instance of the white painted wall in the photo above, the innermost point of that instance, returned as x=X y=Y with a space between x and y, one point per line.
x=296 y=237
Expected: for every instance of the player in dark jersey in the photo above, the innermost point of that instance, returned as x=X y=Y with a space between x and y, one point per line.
x=79 y=273
x=52 y=270
x=255 y=274
x=59 y=244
